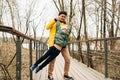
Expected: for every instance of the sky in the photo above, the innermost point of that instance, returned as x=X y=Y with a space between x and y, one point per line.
x=44 y=7
x=43 y=12
x=48 y=11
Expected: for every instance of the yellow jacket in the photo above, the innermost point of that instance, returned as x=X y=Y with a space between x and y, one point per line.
x=52 y=27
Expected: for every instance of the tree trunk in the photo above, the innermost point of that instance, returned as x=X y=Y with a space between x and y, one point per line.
x=11 y=13
x=118 y=22
x=104 y=26
x=84 y=17
x=56 y=5
x=71 y=6
x=101 y=24
x=112 y=21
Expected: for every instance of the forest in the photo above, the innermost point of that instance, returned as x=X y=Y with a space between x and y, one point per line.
x=96 y=20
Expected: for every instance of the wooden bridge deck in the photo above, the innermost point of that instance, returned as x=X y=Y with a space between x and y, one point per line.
x=78 y=71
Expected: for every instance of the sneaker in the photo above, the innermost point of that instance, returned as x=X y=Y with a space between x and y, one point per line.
x=50 y=78
x=37 y=70
x=68 y=77
x=33 y=67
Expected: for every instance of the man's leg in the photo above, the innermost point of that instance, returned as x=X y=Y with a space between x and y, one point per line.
x=66 y=55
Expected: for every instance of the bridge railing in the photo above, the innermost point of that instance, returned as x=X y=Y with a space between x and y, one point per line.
x=38 y=47
x=102 y=55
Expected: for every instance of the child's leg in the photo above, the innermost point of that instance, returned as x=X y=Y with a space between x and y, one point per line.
x=49 y=59
x=44 y=56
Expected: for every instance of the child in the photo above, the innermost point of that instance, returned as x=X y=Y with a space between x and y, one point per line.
x=60 y=41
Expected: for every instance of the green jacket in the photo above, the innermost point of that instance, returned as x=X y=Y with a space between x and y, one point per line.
x=62 y=34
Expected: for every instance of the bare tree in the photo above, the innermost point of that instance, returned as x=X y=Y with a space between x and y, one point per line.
x=97 y=24
x=84 y=16
x=118 y=20
x=11 y=13
x=59 y=4
x=79 y=37
x=112 y=21
x=56 y=5
x=71 y=10
x=1 y=12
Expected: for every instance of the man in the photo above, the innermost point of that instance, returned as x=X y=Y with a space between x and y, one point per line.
x=60 y=41
x=65 y=53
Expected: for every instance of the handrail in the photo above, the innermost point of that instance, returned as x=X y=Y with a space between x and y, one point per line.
x=15 y=32
x=91 y=40
x=88 y=52
x=19 y=34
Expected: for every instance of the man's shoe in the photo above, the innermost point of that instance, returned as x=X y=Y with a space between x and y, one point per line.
x=33 y=67
x=50 y=78
x=68 y=77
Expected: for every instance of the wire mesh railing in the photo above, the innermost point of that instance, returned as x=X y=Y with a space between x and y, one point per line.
x=102 y=55
x=18 y=66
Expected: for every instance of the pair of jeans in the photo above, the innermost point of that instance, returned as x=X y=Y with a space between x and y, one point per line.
x=51 y=54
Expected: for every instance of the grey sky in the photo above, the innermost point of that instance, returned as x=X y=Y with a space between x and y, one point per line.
x=43 y=11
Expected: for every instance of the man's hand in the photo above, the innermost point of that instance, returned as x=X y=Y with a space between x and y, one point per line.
x=71 y=23
x=56 y=19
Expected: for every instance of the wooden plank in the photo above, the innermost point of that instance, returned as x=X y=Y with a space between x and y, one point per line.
x=83 y=72
x=59 y=67
x=78 y=71
x=86 y=72
x=93 y=73
x=76 y=75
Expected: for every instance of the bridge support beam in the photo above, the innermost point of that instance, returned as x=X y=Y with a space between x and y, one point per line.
x=37 y=57
x=106 y=58
x=30 y=48
x=18 y=58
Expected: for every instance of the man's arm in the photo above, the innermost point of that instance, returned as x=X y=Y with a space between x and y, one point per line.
x=50 y=24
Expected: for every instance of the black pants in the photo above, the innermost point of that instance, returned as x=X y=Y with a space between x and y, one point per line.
x=51 y=54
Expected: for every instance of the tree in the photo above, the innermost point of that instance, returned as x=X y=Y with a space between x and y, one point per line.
x=118 y=20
